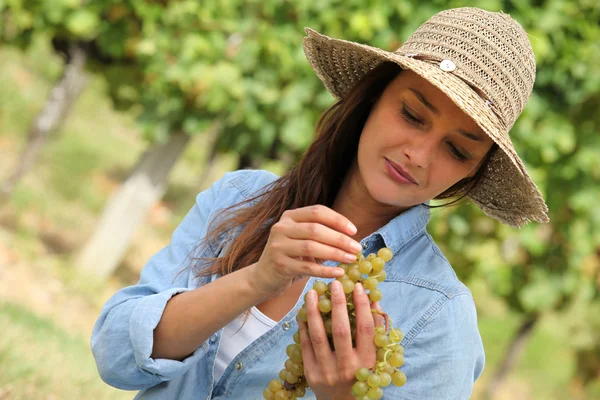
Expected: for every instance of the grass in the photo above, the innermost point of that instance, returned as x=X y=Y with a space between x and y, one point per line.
x=39 y=360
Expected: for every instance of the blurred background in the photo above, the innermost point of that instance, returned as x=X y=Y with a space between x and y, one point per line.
x=115 y=114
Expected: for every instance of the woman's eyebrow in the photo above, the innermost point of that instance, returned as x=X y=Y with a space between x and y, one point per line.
x=423 y=100
x=470 y=135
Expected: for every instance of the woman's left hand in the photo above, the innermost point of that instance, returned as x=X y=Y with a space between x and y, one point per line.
x=331 y=374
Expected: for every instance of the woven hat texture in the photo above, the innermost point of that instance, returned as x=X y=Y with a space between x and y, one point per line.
x=483 y=61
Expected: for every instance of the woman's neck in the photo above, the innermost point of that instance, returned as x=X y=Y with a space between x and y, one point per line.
x=355 y=203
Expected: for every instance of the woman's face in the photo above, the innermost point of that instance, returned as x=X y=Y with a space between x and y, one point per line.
x=416 y=143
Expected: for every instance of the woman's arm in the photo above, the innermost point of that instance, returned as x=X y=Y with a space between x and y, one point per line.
x=123 y=337
x=190 y=318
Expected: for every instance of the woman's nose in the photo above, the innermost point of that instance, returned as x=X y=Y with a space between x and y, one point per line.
x=421 y=150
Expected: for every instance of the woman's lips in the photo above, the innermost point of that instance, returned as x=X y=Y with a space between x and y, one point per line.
x=398 y=173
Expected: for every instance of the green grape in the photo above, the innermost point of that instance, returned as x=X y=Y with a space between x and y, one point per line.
x=300 y=391
x=294 y=351
x=348 y=286
x=354 y=275
x=380 y=340
x=291 y=378
x=302 y=314
x=321 y=287
x=328 y=326
x=275 y=385
x=281 y=395
x=388 y=368
x=365 y=267
x=396 y=360
x=396 y=335
x=398 y=378
x=377 y=264
x=371 y=283
x=375 y=295
x=362 y=374
x=381 y=276
x=297 y=369
x=369 y=271
x=375 y=393
x=325 y=306
x=385 y=254
x=385 y=379
x=359 y=389
x=373 y=380
x=288 y=364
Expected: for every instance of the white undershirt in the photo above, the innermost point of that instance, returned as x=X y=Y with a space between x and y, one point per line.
x=234 y=341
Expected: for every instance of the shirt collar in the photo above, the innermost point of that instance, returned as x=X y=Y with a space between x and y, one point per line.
x=402 y=228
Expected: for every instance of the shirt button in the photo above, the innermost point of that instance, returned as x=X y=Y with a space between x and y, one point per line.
x=239 y=365
x=213 y=338
x=365 y=245
x=286 y=326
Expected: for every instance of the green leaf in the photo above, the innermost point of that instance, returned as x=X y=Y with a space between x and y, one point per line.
x=83 y=23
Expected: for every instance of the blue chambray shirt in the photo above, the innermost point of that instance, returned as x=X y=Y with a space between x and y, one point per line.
x=444 y=353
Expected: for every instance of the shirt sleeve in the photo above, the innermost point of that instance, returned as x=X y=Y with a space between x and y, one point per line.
x=122 y=338
x=446 y=357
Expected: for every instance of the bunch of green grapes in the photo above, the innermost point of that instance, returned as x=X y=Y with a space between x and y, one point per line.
x=369 y=272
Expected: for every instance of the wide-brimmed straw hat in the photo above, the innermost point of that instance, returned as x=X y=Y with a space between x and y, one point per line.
x=483 y=61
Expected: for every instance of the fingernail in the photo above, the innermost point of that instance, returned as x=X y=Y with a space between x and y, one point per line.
x=336 y=286
x=352 y=228
x=358 y=288
x=350 y=257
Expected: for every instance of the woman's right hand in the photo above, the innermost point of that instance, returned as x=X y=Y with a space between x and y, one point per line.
x=295 y=241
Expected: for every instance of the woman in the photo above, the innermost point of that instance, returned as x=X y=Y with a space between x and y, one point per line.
x=429 y=121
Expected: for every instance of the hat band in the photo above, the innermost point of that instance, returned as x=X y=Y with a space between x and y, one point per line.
x=443 y=64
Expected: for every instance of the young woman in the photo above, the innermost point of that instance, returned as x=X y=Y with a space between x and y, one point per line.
x=429 y=121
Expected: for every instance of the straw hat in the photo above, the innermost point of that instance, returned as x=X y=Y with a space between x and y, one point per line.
x=484 y=62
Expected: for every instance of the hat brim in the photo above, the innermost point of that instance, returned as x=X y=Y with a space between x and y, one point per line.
x=507 y=192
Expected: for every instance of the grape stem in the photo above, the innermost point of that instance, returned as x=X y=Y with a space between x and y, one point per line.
x=386 y=318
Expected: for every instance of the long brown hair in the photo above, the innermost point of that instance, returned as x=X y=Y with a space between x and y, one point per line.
x=315 y=180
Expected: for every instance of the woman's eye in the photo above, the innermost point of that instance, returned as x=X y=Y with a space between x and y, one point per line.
x=411 y=118
x=457 y=154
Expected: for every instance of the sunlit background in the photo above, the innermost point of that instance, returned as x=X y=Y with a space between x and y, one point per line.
x=115 y=114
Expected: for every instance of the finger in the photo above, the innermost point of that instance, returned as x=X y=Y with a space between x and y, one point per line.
x=322 y=214
x=308 y=268
x=308 y=354
x=317 y=333
x=311 y=248
x=365 y=326
x=340 y=325
x=323 y=234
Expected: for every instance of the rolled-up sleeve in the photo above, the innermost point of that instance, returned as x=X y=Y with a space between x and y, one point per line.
x=446 y=357
x=122 y=338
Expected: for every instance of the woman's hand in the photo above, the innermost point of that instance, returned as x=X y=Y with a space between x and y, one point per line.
x=295 y=241
x=331 y=374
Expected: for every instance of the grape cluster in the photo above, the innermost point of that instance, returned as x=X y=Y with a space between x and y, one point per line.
x=369 y=271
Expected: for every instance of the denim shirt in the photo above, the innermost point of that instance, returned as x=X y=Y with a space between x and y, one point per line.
x=444 y=353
